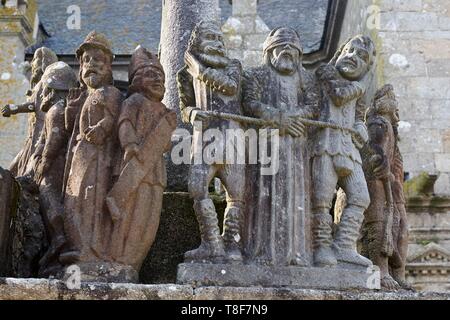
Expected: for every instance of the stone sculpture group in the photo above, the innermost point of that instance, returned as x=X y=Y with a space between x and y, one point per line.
x=96 y=158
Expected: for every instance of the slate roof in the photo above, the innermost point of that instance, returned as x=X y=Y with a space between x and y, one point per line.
x=128 y=23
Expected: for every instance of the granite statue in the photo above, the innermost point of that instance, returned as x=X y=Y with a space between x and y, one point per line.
x=22 y=163
x=145 y=128
x=336 y=157
x=211 y=82
x=385 y=231
x=282 y=92
x=50 y=158
x=92 y=114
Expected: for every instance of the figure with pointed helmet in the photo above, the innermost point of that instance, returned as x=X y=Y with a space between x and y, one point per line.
x=92 y=115
x=50 y=158
x=145 y=130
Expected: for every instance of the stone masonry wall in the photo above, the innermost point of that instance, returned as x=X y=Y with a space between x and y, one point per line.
x=413 y=40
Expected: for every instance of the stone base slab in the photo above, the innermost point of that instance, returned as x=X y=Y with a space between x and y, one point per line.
x=238 y=275
x=41 y=289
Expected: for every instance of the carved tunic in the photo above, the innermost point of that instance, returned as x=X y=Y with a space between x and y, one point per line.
x=149 y=125
x=277 y=225
x=91 y=170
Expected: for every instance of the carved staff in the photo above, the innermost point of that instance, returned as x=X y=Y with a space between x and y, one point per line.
x=387 y=245
x=265 y=123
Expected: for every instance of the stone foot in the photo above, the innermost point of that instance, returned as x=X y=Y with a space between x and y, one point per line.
x=233 y=253
x=352 y=257
x=208 y=252
x=388 y=283
x=324 y=257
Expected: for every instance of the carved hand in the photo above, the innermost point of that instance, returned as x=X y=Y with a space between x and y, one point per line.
x=381 y=169
x=362 y=136
x=8 y=110
x=199 y=115
x=95 y=135
x=75 y=97
x=130 y=152
x=195 y=67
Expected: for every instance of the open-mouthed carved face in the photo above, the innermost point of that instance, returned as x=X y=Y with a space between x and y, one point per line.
x=96 y=68
x=211 y=48
x=150 y=82
x=285 y=59
x=354 y=62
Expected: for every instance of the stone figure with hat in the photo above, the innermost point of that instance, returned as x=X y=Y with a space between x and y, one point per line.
x=22 y=163
x=145 y=129
x=50 y=158
x=92 y=114
x=281 y=92
x=210 y=82
x=336 y=156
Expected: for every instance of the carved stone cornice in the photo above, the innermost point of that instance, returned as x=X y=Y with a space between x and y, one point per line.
x=20 y=21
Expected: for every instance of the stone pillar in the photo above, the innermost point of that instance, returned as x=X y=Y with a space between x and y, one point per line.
x=178 y=19
x=18 y=25
x=245 y=33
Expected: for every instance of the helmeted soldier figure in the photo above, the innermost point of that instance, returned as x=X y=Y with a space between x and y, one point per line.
x=50 y=157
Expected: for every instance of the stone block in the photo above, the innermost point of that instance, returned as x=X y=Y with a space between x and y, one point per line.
x=239 y=25
x=252 y=58
x=236 y=275
x=244 y=7
x=402 y=5
x=254 y=41
x=443 y=162
x=178 y=232
x=416 y=163
x=233 y=41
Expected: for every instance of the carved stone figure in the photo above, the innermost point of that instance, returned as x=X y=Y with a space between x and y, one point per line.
x=385 y=235
x=145 y=129
x=280 y=91
x=50 y=156
x=91 y=156
x=43 y=57
x=336 y=158
x=210 y=81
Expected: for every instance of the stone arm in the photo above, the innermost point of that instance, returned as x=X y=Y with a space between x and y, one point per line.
x=75 y=101
x=341 y=95
x=12 y=109
x=98 y=133
x=227 y=82
x=127 y=130
x=186 y=94
x=56 y=136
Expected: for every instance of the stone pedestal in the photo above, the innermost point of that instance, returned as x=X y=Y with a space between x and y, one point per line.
x=229 y=275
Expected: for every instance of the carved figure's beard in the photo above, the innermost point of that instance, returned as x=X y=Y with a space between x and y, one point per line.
x=95 y=78
x=214 y=57
x=284 y=63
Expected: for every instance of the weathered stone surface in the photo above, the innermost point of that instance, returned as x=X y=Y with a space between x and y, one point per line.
x=178 y=233
x=38 y=289
x=236 y=275
x=9 y=193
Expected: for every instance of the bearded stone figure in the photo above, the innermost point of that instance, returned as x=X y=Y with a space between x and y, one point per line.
x=385 y=232
x=277 y=206
x=336 y=158
x=145 y=130
x=211 y=82
x=92 y=115
x=22 y=163
x=50 y=158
